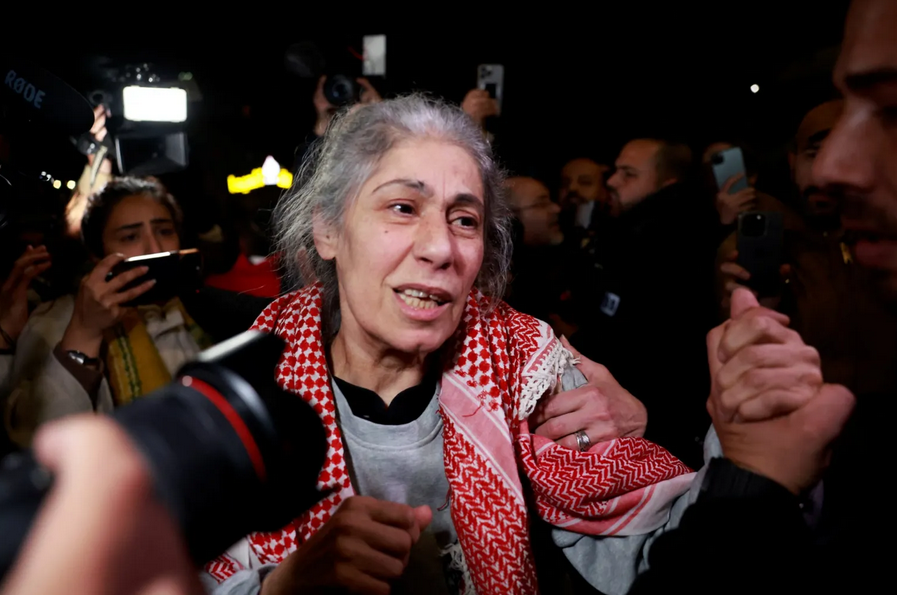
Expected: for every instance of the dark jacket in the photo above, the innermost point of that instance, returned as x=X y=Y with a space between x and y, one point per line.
x=647 y=307
x=746 y=534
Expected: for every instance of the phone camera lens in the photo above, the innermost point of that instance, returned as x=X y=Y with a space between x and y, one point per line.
x=753 y=225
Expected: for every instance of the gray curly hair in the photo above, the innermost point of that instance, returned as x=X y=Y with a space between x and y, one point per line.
x=338 y=165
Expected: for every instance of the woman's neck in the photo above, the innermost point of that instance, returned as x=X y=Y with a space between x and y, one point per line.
x=383 y=371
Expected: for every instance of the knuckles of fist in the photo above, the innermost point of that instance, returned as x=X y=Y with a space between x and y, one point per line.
x=762 y=357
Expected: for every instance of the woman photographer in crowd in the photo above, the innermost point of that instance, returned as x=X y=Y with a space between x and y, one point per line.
x=89 y=352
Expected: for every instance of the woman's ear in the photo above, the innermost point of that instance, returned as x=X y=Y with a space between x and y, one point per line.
x=326 y=239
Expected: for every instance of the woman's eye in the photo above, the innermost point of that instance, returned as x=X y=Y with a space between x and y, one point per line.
x=167 y=232
x=128 y=238
x=404 y=209
x=467 y=221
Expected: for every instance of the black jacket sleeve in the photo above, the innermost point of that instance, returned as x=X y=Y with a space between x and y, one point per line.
x=744 y=534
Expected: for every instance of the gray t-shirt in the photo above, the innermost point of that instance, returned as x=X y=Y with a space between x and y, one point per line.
x=404 y=463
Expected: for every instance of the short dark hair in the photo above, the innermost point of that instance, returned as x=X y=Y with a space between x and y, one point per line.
x=99 y=207
x=592 y=158
x=673 y=160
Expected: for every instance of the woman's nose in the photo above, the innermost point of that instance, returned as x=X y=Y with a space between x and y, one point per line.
x=152 y=245
x=433 y=241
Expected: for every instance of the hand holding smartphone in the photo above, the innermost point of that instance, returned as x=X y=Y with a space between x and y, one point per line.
x=491 y=78
x=729 y=164
x=760 y=240
x=173 y=272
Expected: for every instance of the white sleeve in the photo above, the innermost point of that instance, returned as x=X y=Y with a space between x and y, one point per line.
x=52 y=394
x=40 y=388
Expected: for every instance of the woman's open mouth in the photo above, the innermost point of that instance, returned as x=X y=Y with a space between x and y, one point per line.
x=419 y=299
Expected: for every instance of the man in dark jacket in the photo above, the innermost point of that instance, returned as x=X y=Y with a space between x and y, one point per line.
x=747 y=529
x=658 y=238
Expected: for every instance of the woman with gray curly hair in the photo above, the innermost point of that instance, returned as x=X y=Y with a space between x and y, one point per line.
x=397 y=232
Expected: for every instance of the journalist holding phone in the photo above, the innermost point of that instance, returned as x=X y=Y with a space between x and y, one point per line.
x=90 y=351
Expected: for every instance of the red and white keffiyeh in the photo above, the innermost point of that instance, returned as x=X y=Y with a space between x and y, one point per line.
x=506 y=361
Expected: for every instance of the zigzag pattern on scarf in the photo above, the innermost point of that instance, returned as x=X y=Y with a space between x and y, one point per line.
x=484 y=512
x=222 y=567
x=572 y=485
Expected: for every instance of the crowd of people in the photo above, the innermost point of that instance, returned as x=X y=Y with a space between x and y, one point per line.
x=527 y=385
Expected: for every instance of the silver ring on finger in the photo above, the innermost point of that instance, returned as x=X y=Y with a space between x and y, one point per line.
x=582 y=441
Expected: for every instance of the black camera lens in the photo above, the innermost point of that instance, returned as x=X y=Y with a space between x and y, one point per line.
x=753 y=225
x=223 y=441
x=340 y=90
x=716 y=159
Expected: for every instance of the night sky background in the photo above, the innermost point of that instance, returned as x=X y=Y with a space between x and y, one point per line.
x=577 y=80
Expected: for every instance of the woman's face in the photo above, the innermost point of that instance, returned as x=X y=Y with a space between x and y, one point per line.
x=139 y=225
x=410 y=248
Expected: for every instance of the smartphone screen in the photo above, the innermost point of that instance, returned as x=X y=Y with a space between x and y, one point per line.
x=490 y=77
x=374 y=55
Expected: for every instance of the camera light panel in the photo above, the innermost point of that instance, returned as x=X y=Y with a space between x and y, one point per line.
x=155 y=104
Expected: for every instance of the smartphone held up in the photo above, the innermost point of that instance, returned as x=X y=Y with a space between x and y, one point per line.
x=729 y=164
x=491 y=78
x=760 y=243
x=174 y=272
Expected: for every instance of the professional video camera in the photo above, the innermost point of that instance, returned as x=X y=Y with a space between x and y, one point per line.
x=306 y=60
x=148 y=115
x=229 y=451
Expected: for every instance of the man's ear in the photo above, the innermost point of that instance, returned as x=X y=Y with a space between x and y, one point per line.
x=326 y=239
x=668 y=182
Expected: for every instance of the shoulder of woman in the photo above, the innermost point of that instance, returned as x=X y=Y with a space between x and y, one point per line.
x=518 y=322
x=285 y=306
x=53 y=311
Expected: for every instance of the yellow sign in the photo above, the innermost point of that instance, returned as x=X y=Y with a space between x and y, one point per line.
x=256 y=180
x=845 y=254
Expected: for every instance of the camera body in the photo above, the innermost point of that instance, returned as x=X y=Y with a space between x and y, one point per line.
x=147 y=124
x=309 y=61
